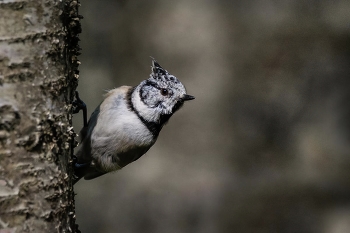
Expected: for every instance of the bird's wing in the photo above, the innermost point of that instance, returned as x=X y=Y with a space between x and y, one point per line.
x=83 y=155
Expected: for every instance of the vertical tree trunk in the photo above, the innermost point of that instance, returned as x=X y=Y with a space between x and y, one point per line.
x=38 y=76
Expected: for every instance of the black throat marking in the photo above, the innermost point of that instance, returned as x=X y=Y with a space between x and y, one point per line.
x=153 y=127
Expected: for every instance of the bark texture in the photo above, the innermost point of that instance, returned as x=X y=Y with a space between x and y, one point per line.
x=38 y=76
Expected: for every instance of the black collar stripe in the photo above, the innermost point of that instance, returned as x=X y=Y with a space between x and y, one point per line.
x=153 y=127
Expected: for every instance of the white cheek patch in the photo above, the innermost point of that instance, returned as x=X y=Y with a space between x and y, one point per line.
x=166 y=108
x=149 y=114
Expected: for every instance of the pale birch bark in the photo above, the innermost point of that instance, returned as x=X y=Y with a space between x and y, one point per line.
x=38 y=76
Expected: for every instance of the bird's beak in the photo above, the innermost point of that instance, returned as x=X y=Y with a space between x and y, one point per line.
x=187 y=97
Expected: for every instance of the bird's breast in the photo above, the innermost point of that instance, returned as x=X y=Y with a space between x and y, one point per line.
x=119 y=134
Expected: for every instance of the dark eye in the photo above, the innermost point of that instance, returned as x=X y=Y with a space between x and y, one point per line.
x=164 y=91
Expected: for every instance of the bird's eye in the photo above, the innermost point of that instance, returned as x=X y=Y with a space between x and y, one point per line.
x=164 y=91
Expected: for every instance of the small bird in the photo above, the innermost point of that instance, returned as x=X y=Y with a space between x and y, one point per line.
x=127 y=123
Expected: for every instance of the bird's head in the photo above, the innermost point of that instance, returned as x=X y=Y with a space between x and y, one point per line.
x=160 y=96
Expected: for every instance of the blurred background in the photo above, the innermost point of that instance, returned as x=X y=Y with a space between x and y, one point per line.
x=264 y=147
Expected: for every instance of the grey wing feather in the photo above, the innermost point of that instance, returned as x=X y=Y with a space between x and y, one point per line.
x=84 y=153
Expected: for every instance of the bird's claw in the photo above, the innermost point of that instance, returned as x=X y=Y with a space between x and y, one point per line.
x=78 y=105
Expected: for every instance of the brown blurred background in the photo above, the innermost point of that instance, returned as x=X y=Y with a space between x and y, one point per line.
x=264 y=148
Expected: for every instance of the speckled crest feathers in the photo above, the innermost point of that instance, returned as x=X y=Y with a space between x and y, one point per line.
x=161 y=74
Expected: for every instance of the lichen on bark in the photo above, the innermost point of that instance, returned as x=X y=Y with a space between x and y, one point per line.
x=38 y=76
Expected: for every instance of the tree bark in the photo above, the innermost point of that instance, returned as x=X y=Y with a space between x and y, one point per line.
x=38 y=77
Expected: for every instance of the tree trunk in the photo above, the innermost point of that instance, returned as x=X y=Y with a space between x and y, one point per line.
x=38 y=76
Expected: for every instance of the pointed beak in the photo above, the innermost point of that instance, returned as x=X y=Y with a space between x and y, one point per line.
x=187 y=97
